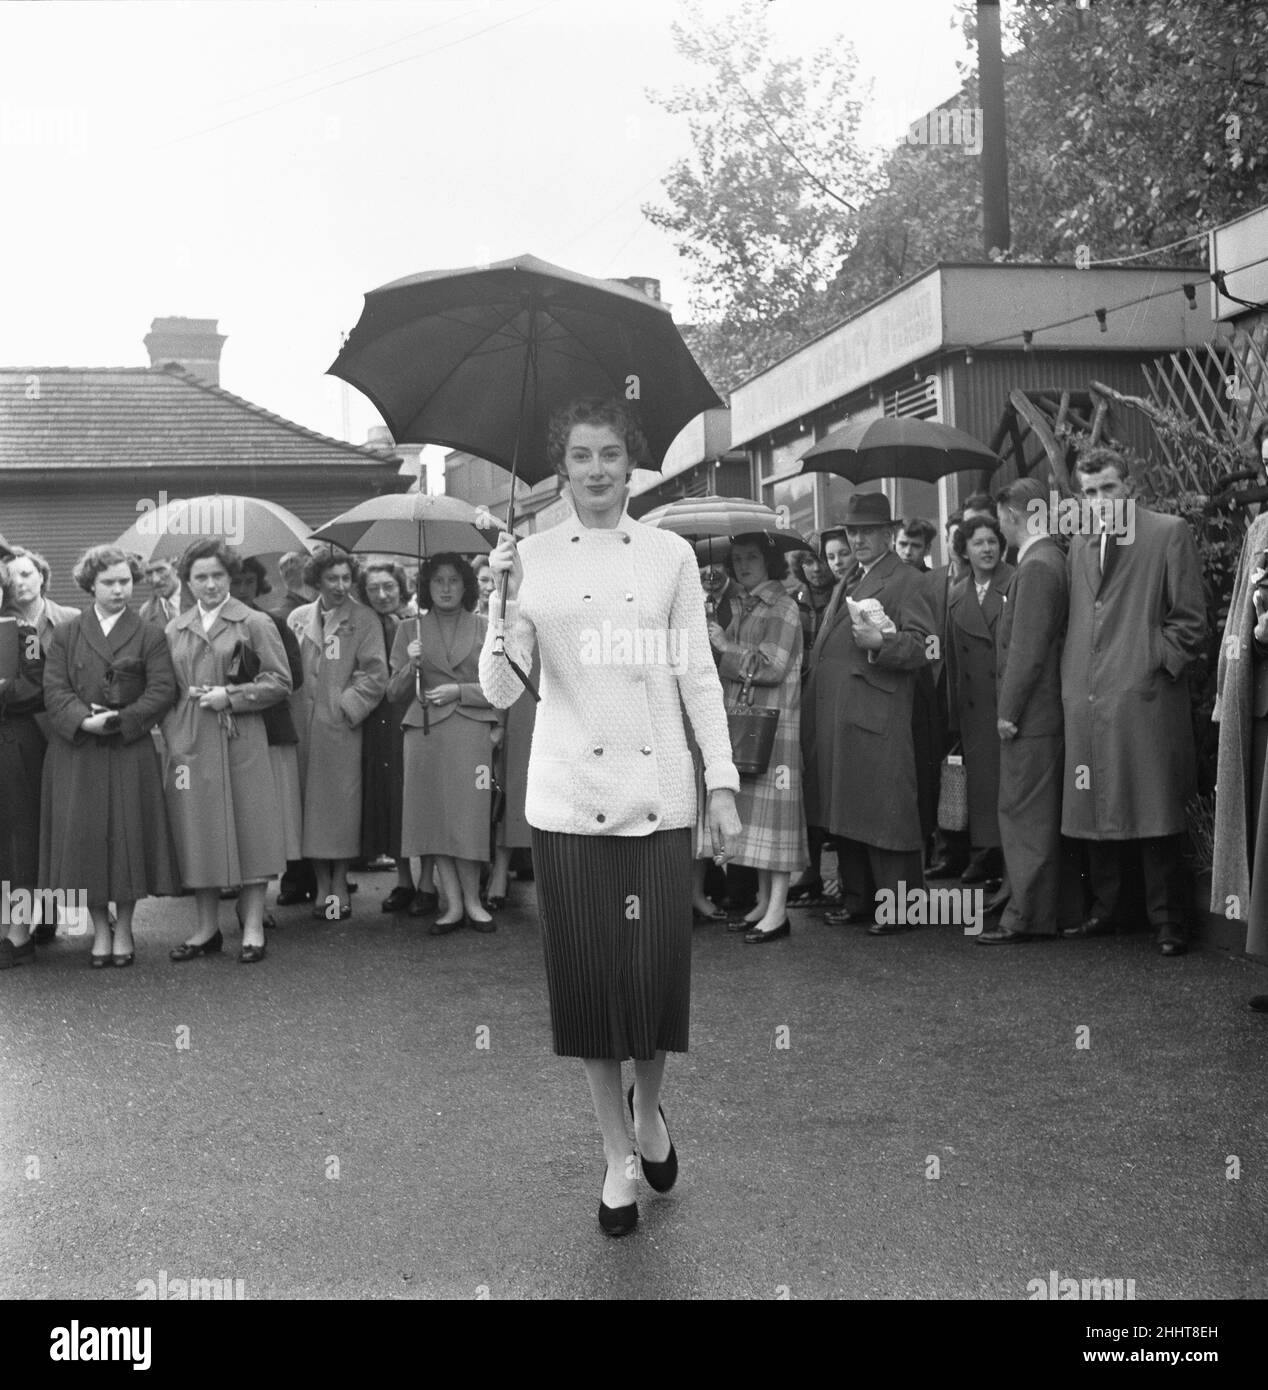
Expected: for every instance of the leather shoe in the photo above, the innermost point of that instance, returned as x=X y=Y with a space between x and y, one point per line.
x=663 y=1175
x=477 y=925
x=121 y=960
x=1258 y=1002
x=249 y=955
x=424 y=904
x=755 y=937
x=717 y=915
x=944 y=868
x=843 y=917
x=979 y=870
x=100 y=962
x=11 y=955
x=444 y=928
x=889 y=928
x=1092 y=926
x=190 y=951
x=1005 y=935
x=617 y=1221
x=398 y=899
x=292 y=896
x=1171 y=946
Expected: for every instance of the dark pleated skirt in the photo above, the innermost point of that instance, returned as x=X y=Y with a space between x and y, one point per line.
x=616 y=927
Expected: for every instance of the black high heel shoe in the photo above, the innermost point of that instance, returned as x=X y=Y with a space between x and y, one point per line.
x=660 y=1176
x=190 y=951
x=617 y=1221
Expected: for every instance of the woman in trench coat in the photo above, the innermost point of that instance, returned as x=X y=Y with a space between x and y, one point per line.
x=108 y=680
x=345 y=677
x=222 y=797
x=973 y=610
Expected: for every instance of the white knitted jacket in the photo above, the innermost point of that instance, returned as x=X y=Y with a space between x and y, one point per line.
x=618 y=616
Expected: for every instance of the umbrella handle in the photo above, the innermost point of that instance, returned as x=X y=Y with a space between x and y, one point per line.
x=499 y=638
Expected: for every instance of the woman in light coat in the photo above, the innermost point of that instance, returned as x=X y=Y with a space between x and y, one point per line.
x=222 y=797
x=345 y=677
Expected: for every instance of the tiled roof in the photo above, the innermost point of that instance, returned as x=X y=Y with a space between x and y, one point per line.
x=54 y=418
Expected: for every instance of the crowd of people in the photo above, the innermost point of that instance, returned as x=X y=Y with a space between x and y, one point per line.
x=199 y=743
x=207 y=741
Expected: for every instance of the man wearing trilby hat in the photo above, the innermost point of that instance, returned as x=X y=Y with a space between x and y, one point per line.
x=860 y=762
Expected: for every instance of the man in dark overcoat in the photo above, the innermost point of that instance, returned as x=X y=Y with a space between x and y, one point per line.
x=1137 y=620
x=860 y=761
x=1044 y=882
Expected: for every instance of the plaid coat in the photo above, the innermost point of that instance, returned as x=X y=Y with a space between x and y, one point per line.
x=769 y=806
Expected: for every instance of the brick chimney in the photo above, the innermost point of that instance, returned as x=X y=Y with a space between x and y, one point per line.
x=192 y=344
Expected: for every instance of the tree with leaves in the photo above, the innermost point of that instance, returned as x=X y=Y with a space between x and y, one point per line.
x=763 y=211
x=1132 y=125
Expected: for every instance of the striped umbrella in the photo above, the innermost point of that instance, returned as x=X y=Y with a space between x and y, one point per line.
x=712 y=521
x=412 y=523
x=252 y=525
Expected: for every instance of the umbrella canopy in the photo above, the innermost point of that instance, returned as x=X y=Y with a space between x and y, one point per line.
x=412 y=523
x=252 y=525
x=864 y=451
x=701 y=518
x=476 y=359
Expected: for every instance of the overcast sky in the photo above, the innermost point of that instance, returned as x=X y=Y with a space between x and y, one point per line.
x=266 y=163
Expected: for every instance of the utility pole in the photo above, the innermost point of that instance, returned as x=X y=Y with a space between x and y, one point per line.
x=996 y=232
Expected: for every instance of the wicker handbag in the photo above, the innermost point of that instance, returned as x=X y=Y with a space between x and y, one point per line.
x=953 y=795
x=752 y=730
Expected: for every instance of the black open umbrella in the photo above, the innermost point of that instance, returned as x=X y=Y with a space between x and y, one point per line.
x=864 y=451
x=476 y=359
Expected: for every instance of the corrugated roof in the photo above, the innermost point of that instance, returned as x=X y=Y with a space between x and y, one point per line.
x=58 y=418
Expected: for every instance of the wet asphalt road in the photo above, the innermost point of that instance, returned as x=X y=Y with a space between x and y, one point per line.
x=330 y=1124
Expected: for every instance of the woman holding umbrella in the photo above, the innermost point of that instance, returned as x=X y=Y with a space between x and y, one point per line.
x=450 y=731
x=610 y=795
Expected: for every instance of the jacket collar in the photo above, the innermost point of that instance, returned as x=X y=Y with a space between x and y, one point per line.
x=573 y=526
x=191 y=620
x=465 y=633
x=106 y=645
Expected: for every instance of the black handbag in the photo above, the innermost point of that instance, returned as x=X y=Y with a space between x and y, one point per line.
x=752 y=730
x=124 y=683
x=244 y=664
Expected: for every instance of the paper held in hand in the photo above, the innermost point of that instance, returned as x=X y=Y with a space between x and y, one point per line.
x=869 y=610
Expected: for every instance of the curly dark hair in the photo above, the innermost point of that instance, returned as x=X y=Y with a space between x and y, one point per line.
x=427 y=572
x=212 y=548
x=594 y=410
x=776 y=559
x=326 y=557
x=252 y=565
x=968 y=529
x=1102 y=456
x=103 y=557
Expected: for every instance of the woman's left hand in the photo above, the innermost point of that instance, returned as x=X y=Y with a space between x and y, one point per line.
x=717 y=636
x=442 y=694
x=214 y=697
